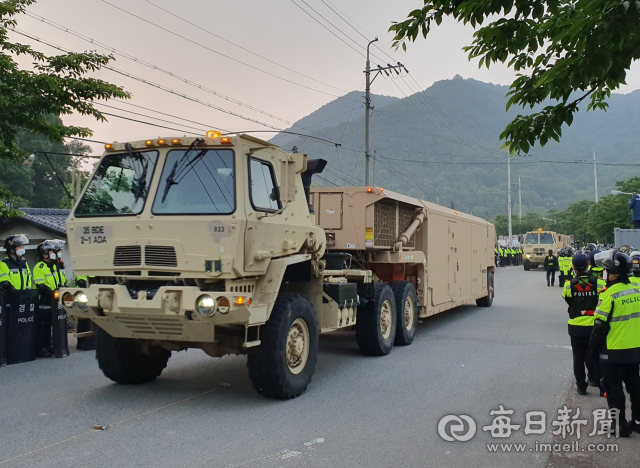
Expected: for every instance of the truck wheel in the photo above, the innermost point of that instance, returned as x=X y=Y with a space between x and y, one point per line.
x=282 y=366
x=407 y=310
x=126 y=361
x=527 y=266
x=487 y=300
x=376 y=322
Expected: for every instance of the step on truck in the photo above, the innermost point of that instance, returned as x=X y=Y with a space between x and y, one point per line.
x=219 y=243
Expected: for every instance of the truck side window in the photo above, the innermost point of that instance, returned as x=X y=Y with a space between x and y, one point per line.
x=263 y=191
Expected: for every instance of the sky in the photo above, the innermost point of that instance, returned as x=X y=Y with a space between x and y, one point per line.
x=267 y=62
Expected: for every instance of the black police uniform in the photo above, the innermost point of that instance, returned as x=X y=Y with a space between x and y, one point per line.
x=551 y=265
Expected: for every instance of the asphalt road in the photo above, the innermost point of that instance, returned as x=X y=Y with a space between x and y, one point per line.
x=358 y=411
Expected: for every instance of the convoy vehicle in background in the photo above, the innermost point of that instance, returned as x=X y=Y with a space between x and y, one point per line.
x=219 y=244
x=537 y=245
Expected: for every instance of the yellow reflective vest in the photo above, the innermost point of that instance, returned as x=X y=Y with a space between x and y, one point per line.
x=619 y=306
x=579 y=294
x=45 y=274
x=17 y=273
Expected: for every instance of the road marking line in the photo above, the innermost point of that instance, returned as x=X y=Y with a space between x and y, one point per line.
x=283 y=454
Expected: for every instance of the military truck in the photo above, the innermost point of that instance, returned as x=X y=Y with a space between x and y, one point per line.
x=537 y=245
x=219 y=243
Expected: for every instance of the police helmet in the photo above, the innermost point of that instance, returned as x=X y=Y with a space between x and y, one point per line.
x=590 y=247
x=46 y=247
x=614 y=262
x=635 y=262
x=592 y=255
x=626 y=249
x=59 y=244
x=11 y=242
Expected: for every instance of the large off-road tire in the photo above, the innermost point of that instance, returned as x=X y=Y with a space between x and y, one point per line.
x=527 y=266
x=128 y=361
x=487 y=300
x=376 y=322
x=284 y=362
x=407 y=312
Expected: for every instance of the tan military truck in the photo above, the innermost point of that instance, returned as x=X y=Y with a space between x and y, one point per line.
x=537 y=245
x=217 y=243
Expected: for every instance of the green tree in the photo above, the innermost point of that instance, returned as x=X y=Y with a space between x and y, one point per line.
x=569 y=51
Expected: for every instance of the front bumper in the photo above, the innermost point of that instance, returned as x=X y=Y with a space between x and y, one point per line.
x=170 y=315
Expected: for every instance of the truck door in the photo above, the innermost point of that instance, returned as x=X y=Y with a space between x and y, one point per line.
x=266 y=236
x=478 y=258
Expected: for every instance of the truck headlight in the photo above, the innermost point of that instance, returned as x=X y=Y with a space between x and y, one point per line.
x=528 y=255
x=80 y=300
x=67 y=300
x=206 y=305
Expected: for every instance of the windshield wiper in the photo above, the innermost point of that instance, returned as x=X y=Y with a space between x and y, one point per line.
x=170 y=180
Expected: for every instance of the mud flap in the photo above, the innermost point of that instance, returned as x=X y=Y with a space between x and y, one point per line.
x=3 y=331
x=22 y=327
x=59 y=323
x=87 y=343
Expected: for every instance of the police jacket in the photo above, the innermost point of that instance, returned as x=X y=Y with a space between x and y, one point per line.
x=619 y=309
x=45 y=275
x=581 y=294
x=551 y=263
x=16 y=272
x=635 y=206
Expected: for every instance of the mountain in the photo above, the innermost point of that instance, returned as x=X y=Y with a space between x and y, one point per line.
x=334 y=113
x=443 y=145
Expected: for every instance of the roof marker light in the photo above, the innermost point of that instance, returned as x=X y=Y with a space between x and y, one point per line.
x=213 y=134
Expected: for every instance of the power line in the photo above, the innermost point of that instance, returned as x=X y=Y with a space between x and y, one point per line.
x=216 y=52
x=241 y=47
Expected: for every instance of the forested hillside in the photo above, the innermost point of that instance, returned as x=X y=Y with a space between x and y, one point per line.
x=443 y=145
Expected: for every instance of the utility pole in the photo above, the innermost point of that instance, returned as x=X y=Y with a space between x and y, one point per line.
x=368 y=107
x=367 y=111
x=520 y=198
x=509 y=196
x=374 y=167
x=595 y=173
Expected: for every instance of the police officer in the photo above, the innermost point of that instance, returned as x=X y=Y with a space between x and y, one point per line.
x=616 y=337
x=15 y=274
x=595 y=270
x=45 y=280
x=497 y=254
x=581 y=293
x=551 y=265
x=61 y=272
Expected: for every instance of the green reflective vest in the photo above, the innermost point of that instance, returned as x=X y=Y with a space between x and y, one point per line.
x=12 y=271
x=619 y=306
x=634 y=280
x=43 y=274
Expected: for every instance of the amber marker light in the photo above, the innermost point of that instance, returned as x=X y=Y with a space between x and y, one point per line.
x=213 y=134
x=108 y=146
x=149 y=142
x=381 y=189
x=240 y=300
x=56 y=294
x=162 y=141
x=225 y=140
x=176 y=141
x=369 y=190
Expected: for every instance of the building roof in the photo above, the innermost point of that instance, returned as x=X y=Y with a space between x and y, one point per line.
x=49 y=218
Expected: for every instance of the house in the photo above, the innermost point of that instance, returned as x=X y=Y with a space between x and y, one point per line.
x=38 y=224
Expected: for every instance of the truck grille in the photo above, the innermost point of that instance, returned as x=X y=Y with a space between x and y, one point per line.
x=152 y=326
x=161 y=256
x=384 y=220
x=127 y=255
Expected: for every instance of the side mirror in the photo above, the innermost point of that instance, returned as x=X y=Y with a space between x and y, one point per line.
x=275 y=194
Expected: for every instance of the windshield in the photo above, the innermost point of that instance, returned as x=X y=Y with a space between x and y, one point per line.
x=531 y=239
x=119 y=186
x=202 y=183
x=547 y=238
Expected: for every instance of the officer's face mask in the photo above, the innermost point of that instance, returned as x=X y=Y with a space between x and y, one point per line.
x=20 y=252
x=53 y=256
